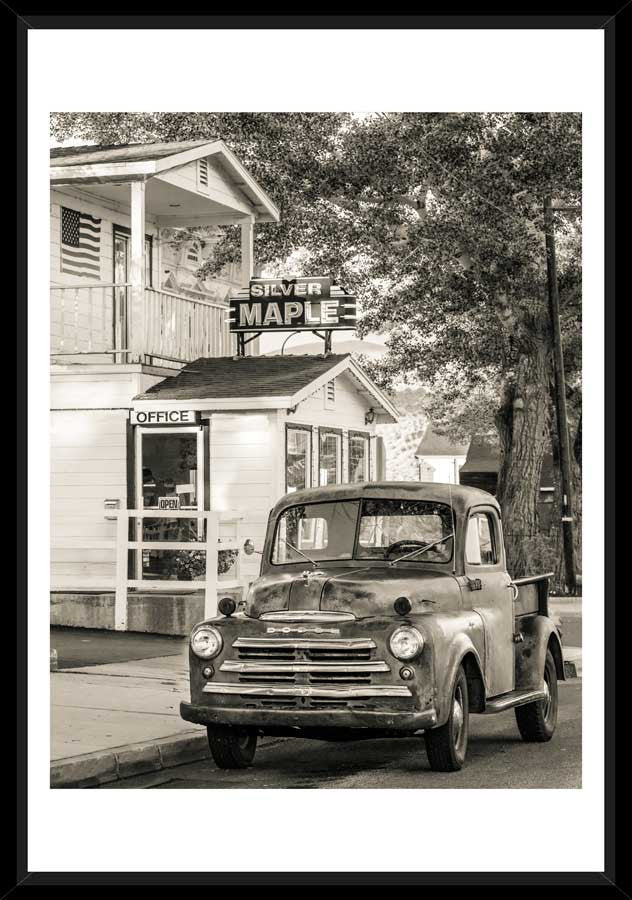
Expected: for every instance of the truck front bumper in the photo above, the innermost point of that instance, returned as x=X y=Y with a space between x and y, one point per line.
x=307 y=718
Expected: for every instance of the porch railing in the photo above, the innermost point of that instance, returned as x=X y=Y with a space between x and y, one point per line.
x=83 y=319
x=179 y=328
x=93 y=320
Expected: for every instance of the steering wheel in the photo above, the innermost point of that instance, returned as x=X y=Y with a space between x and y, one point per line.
x=407 y=544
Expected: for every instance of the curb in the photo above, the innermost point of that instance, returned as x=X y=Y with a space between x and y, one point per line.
x=104 y=766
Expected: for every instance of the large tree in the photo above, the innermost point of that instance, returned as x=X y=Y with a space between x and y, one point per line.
x=436 y=222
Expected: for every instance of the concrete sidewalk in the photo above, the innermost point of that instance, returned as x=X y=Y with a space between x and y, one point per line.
x=112 y=720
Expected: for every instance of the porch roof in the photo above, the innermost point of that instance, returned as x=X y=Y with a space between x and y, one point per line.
x=260 y=382
x=113 y=167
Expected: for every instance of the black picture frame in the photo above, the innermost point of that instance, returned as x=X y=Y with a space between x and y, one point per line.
x=614 y=20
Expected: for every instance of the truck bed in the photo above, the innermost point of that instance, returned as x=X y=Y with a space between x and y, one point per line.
x=533 y=595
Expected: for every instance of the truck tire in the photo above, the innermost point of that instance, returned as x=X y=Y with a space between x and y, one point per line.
x=232 y=747
x=446 y=745
x=537 y=721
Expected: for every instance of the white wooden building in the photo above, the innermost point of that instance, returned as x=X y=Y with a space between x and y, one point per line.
x=439 y=458
x=132 y=323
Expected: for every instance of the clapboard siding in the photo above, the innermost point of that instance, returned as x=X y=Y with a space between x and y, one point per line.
x=218 y=189
x=85 y=479
x=242 y=473
x=86 y=466
x=89 y=464
x=89 y=391
x=348 y=411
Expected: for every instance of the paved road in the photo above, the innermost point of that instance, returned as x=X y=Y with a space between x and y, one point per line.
x=497 y=759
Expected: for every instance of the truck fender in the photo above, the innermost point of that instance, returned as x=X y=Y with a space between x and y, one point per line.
x=539 y=634
x=461 y=652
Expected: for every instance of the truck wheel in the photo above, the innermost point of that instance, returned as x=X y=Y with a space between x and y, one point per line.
x=537 y=721
x=446 y=745
x=232 y=747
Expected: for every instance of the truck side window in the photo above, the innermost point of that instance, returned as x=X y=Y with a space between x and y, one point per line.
x=480 y=547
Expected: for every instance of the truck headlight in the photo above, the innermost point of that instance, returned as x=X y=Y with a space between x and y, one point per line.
x=206 y=642
x=406 y=642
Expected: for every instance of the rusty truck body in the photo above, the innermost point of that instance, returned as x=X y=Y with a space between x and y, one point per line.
x=381 y=609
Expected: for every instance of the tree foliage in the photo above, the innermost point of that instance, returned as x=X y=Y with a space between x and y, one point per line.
x=436 y=222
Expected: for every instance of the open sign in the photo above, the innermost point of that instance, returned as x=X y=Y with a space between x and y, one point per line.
x=169 y=502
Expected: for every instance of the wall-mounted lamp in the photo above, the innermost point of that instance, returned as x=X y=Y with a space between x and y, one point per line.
x=369 y=417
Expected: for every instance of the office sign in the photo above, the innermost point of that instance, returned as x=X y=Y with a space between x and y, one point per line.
x=296 y=304
x=163 y=417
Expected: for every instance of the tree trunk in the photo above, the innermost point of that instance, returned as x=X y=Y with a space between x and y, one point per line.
x=555 y=535
x=523 y=424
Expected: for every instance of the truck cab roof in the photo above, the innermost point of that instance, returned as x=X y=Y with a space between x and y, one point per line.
x=461 y=497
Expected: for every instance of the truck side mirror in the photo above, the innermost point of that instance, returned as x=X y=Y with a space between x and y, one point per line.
x=249 y=547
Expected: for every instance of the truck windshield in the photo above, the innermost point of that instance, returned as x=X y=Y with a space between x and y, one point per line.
x=387 y=529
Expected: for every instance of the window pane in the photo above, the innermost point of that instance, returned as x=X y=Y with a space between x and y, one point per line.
x=120 y=258
x=329 y=458
x=147 y=262
x=480 y=549
x=387 y=522
x=472 y=543
x=298 y=459
x=358 y=460
x=174 y=565
x=321 y=530
x=488 y=554
x=170 y=469
x=169 y=475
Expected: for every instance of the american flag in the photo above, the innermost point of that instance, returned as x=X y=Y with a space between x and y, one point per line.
x=80 y=243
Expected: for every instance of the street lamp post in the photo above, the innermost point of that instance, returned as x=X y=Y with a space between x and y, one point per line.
x=560 y=400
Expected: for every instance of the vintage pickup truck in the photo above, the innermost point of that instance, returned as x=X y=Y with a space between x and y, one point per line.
x=381 y=609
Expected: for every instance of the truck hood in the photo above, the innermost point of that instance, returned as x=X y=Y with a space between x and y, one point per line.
x=363 y=591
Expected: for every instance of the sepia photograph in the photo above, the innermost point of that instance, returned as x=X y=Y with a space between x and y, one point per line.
x=316 y=473
x=315 y=450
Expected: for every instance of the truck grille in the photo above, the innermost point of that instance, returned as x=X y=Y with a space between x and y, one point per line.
x=304 y=661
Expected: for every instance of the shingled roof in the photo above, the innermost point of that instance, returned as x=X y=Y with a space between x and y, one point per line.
x=433 y=444
x=284 y=381
x=88 y=154
x=250 y=376
x=483 y=458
